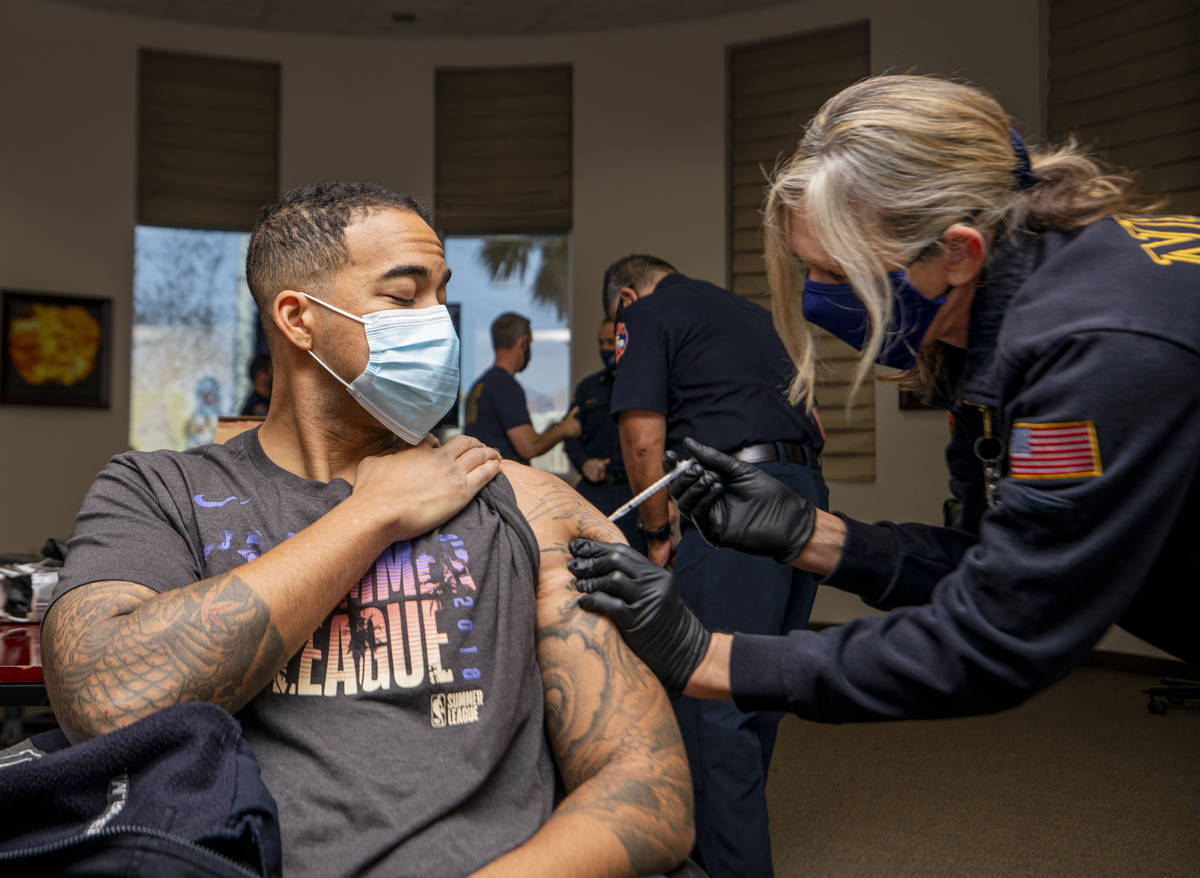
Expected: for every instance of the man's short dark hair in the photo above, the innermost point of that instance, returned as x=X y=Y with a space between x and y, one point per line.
x=260 y=363
x=299 y=241
x=633 y=271
x=508 y=329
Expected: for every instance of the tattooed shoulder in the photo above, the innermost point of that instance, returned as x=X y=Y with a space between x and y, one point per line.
x=555 y=511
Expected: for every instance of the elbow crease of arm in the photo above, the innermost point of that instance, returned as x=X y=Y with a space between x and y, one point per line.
x=114 y=652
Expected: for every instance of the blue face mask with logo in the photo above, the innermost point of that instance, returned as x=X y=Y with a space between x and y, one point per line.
x=609 y=359
x=835 y=308
x=411 y=377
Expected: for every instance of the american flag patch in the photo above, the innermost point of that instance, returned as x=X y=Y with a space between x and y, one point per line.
x=1053 y=451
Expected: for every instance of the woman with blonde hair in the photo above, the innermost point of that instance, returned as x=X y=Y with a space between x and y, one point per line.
x=1030 y=294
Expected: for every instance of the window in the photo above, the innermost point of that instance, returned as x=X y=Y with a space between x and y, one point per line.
x=208 y=146
x=502 y=196
x=195 y=330
x=526 y=274
x=774 y=89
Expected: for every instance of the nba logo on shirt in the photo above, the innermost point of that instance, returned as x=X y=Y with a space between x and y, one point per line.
x=622 y=340
x=437 y=710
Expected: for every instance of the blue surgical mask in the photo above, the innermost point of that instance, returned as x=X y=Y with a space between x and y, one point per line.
x=411 y=377
x=835 y=308
x=609 y=359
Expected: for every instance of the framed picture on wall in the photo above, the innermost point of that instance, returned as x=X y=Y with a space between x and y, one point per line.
x=54 y=349
x=910 y=399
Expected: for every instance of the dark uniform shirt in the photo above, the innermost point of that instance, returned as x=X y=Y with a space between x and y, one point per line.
x=256 y=404
x=1083 y=356
x=599 y=437
x=495 y=405
x=709 y=361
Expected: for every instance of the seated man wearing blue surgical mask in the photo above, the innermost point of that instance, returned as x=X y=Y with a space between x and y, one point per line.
x=388 y=619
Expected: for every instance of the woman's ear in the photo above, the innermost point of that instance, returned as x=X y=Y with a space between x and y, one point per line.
x=293 y=318
x=966 y=250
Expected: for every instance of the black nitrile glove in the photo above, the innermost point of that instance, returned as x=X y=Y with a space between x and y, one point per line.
x=644 y=602
x=737 y=506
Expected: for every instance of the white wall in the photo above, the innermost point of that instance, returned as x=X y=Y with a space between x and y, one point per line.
x=650 y=155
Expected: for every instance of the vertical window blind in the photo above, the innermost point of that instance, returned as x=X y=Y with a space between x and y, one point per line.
x=208 y=140
x=1125 y=80
x=774 y=89
x=503 y=150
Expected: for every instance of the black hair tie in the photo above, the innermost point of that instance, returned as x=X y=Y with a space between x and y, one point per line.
x=1022 y=171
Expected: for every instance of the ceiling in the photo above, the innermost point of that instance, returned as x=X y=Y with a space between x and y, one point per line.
x=414 y=18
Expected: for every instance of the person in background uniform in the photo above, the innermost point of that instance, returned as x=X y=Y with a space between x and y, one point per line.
x=1037 y=299
x=496 y=411
x=596 y=451
x=259 y=399
x=696 y=360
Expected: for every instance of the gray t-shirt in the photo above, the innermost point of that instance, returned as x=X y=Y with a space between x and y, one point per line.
x=406 y=736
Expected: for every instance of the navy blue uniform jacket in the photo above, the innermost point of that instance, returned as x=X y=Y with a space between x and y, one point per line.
x=1083 y=352
x=496 y=404
x=599 y=437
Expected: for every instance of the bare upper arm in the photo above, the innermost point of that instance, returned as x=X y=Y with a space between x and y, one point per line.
x=608 y=721
x=557 y=514
x=599 y=695
x=643 y=434
x=524 y=439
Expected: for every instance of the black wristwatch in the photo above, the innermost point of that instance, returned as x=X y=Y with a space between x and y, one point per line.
x=659 y=533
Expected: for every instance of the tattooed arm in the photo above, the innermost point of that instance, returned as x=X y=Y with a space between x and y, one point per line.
x=116 y=651
x=629 y=805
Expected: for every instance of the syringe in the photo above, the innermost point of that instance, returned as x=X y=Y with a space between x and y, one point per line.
x=657 y=486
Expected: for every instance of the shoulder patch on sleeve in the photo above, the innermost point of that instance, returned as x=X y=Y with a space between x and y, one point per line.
x=622 y=340
x=1062 y=450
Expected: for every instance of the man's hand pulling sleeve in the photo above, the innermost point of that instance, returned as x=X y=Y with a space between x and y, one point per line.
x=644 y=602
x=737 y=506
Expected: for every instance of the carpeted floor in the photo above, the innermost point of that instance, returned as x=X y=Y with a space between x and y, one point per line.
x=1080 y=781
